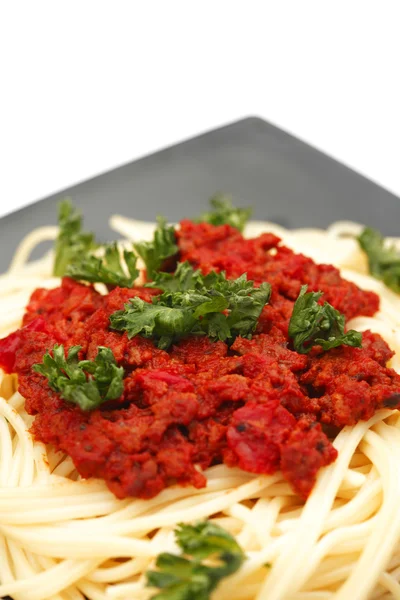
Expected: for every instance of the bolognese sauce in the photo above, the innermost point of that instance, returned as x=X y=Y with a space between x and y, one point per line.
x=255 y=404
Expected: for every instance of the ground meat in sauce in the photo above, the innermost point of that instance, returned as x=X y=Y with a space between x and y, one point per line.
x=257 y=405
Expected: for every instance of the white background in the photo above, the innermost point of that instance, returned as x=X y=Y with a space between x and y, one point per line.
x=89 y=84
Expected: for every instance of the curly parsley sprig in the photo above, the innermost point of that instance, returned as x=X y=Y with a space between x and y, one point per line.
x=383 y=260
x=185 y=278
x=74 y=254
x=314 y=324
x=108 y=269
x=85 y=383
x=225 y=213
x=72 y=243
x=187 y=576
x=162 y=247
x=217 y=307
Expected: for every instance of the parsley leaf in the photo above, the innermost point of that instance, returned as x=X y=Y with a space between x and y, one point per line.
x=107 y=269
x=225 y=213
x=153 y=320
x=218 y=307
x=185 y=278
x=383 y=261
x=162 y=247
x=313 y=324
x=72 y=243
x=68 y=376
x=187 y=577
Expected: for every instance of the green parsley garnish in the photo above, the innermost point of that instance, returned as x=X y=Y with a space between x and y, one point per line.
x=72 y=243
x=69 y=377
x=225 y=213
x=313 y=324
x=185 y=278
x=108 y=269
x=383 y=261
x=187 y=576
x=220 y=308
x=162 y=247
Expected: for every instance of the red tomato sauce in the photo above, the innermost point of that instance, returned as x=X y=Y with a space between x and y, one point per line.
x=256 y=405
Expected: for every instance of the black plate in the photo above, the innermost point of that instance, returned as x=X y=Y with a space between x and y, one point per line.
x=284 y=179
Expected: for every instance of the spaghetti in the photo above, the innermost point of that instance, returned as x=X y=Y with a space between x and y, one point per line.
x=65 y=538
